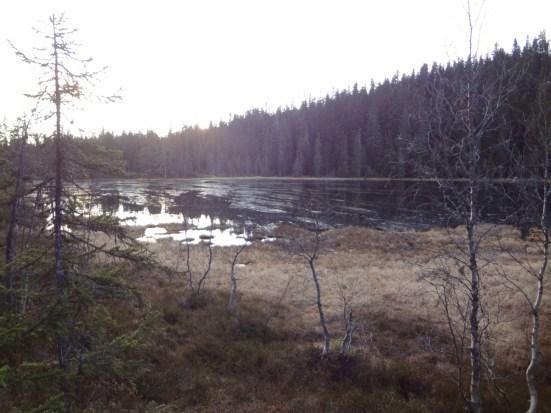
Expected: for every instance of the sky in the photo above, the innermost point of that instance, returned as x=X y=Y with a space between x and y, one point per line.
x=190 y=62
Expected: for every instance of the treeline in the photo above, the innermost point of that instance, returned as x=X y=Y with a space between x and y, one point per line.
x=354 y=133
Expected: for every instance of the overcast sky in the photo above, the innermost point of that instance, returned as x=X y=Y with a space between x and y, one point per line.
x=190 y=62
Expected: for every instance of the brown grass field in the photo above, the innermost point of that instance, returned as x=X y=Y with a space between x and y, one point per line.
x=381 y=271
x=401 y=343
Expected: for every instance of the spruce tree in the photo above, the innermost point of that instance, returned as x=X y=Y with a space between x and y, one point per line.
x=69 y=275
x=298 y=164
x=20 y=135
x=374 y=146
x=357 y=155
x=318 y=159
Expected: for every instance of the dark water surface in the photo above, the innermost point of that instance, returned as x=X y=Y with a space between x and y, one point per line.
x=233 y=206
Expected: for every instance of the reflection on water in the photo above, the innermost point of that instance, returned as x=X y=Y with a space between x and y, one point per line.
x=220 y=237
x=145 y=217
x=193 y=229
x=264 y=201
x=227 y=209
x=137 y=215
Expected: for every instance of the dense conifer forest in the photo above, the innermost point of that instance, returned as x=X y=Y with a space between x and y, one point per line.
x=378 y=131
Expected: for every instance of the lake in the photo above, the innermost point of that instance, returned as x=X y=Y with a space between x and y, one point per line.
x=229 y=209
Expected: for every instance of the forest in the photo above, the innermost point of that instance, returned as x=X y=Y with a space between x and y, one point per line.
x=375 y=132
x=324 y=319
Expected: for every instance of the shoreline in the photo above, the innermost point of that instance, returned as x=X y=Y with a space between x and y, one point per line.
x=306 y=178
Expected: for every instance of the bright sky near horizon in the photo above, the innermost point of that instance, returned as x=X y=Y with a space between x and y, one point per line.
x=189 y=62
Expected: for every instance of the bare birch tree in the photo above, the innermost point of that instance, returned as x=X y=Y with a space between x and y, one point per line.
x=465 y=112
x=309 y=247
x=542 y=120
x=188 y=274
x=195 y=288
x=203 y=278
x=534 y=187
x=348 y=319
x=233 y=276
x=448 y=287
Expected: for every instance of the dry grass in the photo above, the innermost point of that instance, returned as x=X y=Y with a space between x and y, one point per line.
x=208 y=360
x=267 y=359
x=380 y=272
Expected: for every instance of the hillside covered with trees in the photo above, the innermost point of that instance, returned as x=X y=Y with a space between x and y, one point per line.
x=375 y=132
